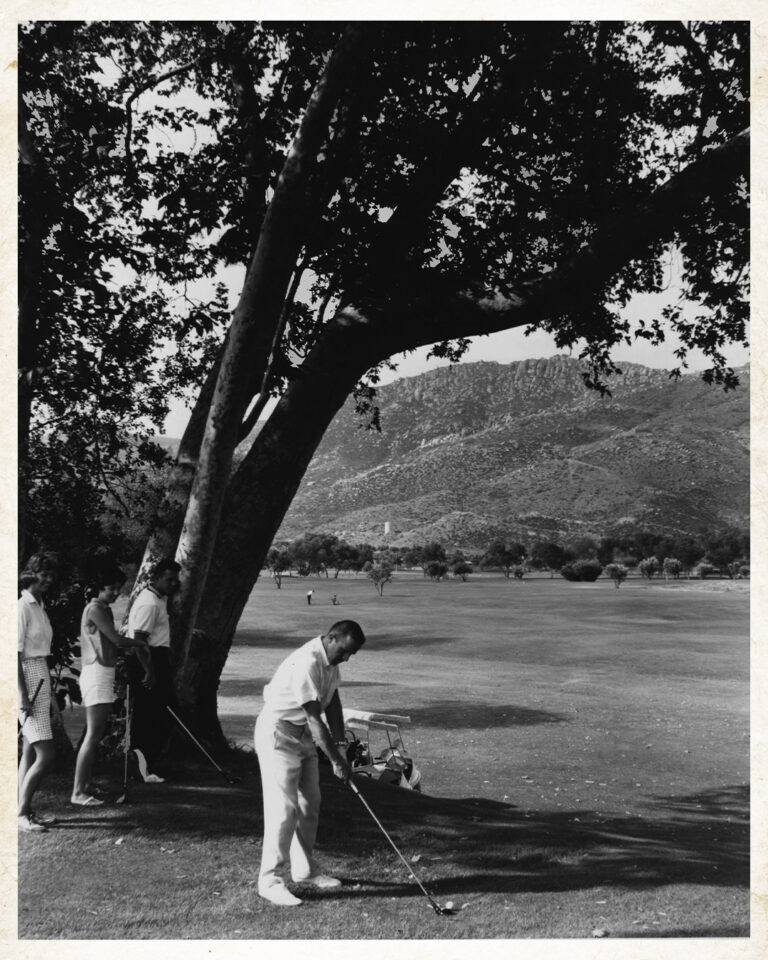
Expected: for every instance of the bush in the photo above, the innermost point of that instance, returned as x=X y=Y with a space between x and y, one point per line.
x=704 y=570
x=584 y=571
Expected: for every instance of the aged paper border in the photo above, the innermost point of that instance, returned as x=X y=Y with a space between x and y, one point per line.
x=754 y=10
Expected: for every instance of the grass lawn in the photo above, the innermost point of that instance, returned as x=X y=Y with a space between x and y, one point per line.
x=585 y=763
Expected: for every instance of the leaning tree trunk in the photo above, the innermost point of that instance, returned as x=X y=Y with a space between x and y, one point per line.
x=252 y=333
x=258 y=498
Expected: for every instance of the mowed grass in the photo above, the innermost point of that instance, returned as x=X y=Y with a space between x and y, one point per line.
x=585 y=761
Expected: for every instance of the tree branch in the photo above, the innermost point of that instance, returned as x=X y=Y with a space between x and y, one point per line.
x=148 y=85
x=430 y=307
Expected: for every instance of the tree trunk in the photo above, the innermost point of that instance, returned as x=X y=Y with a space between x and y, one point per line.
x=252 y=333
x=259 y=496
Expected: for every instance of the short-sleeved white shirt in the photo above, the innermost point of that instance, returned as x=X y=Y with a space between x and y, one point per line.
x=149 y=614
x=303 y=676
x=35 y=630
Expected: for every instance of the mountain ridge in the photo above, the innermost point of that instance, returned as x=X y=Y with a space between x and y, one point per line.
x=524 y=450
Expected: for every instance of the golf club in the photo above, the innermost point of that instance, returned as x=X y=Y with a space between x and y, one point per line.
x=440 y=911
x=126 y=745
x=32 y=699
x=200 y=746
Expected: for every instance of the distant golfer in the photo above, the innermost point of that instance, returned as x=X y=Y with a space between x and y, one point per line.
x=309 y=596
x=148 y=621
x=288 y=731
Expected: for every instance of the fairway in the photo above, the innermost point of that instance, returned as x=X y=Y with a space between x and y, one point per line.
x=545 y=693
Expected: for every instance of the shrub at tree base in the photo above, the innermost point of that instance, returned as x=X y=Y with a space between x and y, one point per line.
x=585 y=571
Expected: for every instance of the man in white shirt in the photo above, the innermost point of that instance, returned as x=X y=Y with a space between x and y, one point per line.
x=148 y=621
x=288 y=732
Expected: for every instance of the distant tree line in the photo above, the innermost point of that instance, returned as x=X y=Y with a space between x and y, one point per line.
x=649 y=554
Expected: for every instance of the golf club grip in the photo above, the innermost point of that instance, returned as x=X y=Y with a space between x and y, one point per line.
x=40 y=682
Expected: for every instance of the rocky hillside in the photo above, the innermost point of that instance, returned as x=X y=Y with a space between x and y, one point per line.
x=524 y=450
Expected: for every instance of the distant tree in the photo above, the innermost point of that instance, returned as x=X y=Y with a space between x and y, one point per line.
x=461 y=569
x=649 y=567
x=364 y=555
x=688 y=551
x=411 y=556
x=343 y=557
x=606 y=550
x=704 y=570
x=315 y=550
x=278 y=561
x=436 y=569
x=672 y=567
x=584 y=548
x=617 y=572
x=723 y=549
x=432 y=552
x=582 y=570
x=378 y=573
x=517 y=571
x=503 y=555
x=547 y=554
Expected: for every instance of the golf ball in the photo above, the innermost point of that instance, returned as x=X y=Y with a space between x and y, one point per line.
x=449 y=904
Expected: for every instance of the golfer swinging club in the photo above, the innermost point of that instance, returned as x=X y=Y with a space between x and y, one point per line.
x=288 y=730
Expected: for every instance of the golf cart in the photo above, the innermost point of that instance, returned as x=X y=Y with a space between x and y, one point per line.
x=392 y=763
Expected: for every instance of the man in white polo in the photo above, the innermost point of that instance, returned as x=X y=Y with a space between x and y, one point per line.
x=288 y=732
x=148 y=621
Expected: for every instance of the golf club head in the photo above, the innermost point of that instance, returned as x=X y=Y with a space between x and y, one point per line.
x=442 y=911
x=121 y=798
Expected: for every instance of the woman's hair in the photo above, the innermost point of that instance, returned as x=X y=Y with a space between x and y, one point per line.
x=104 y=577
x=38 y=563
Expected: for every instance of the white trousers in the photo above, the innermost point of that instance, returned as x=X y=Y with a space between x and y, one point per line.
x=290 y=784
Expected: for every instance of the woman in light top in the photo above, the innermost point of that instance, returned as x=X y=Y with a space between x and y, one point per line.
x=34 y=684
x=99 y=645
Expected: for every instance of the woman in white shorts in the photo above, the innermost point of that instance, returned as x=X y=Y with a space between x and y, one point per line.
x=99 y=646
x=34 y=684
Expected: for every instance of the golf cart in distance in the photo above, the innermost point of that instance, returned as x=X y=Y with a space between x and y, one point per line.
x=392 y=763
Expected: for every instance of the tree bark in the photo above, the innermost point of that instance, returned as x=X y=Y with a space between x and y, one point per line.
x=259 y=496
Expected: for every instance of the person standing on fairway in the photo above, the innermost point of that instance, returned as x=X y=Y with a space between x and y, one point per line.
x=288 y=731
x=148 y=622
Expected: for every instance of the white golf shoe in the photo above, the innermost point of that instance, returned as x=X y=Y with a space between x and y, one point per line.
x=279 y=894
x=319 y=881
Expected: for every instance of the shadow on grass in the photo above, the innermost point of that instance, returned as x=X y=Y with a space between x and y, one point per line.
x=491 y=847
x=470 y=846
x=248 y=687
x=458 y=714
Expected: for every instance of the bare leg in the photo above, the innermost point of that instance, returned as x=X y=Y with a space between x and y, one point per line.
x=27 y=759
x=44 y=754
x=96 y=721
